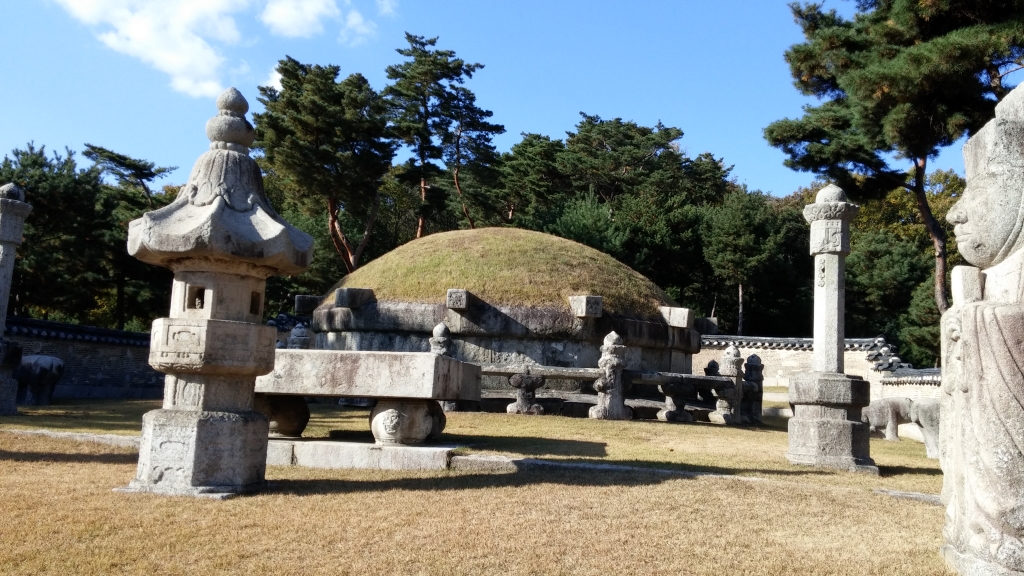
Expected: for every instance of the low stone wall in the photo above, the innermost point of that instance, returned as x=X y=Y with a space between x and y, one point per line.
x=99 y=363
x=783 y=358
x=913 y=384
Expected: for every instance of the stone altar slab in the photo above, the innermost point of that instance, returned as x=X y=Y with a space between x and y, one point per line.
x=413 y=375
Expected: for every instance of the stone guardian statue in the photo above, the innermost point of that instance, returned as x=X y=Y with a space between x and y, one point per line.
x=981 y=447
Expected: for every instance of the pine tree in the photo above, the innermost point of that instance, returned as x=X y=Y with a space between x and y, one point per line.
x=901 y=80
x=327 y=142
x=436 y=117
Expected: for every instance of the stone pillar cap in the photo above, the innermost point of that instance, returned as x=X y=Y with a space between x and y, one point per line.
x=831 y=203
x=12 y=192
x=830 y=193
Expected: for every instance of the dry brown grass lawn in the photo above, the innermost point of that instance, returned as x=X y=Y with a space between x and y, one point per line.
x=747 y=451
x=61 y=517
x=506 y=266
x=95 y=416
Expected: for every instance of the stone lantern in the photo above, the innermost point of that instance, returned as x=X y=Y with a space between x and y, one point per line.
x=222 y=240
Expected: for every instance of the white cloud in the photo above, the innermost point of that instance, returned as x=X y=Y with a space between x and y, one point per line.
x=173 y=36
x=357 y=29
x=186 y=38
x=298 y=18
x=273 y=80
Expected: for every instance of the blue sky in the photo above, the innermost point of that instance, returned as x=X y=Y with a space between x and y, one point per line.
x=140 y=76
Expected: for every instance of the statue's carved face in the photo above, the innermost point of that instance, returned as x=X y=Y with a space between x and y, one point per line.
x=984 y=218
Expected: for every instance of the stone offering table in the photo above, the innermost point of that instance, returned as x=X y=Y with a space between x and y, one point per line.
x=406 y=384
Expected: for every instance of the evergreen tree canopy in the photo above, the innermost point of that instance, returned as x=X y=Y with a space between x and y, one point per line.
x=436 y=117
x=328 y=143
x=756 y=247
x=73 y=265
x=901 y=80
x=129 y=172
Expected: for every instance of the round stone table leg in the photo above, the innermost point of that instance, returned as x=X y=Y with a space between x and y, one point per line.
x=406 y=421
x=288 y=414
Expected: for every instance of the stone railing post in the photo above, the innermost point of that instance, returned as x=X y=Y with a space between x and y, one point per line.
x=825 y=429
x=675 y=402
x=526 y=394
x=729 y=402
x=441 y=344
x=753 y=394
x=222 y=240
x=611 y=387
x=13 y=211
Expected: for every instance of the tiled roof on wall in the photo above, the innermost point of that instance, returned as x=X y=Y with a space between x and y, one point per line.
x=771 y=343
x=30 y=327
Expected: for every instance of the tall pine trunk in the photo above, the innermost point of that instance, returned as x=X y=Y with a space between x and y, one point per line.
x=739 y=329
x=935 y=231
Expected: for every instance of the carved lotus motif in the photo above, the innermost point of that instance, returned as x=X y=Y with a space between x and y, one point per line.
x=222 y=213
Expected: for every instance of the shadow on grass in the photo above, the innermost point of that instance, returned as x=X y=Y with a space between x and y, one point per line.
x=472 y=481
x=678 y=469
x=600 y=473
x=530 y=445
x=887 y=471
x=118 y=416
x=131 y=458
x=525 y=445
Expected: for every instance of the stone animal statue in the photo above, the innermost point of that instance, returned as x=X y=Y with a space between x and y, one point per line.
x=886 y=414
x=37 y=377
x=926 y=413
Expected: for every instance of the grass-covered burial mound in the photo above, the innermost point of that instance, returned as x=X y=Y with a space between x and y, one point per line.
x=507 y=266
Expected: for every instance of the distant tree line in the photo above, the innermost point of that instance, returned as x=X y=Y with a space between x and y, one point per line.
x=328 y=149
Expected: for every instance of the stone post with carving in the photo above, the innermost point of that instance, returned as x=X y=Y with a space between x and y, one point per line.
x=222 y=240
x=825 y=429
x=753 y=393
x=526 y=386
x=729 y=400
x=611 y=387
x=13 y=211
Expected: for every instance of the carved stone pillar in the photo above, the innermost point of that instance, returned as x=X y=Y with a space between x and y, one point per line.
x=222 y=240
x=441 y=344
x=13 y=211
x=825 y=429
x=611 y=387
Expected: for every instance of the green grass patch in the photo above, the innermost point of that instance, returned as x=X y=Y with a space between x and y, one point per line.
x=507 y=266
